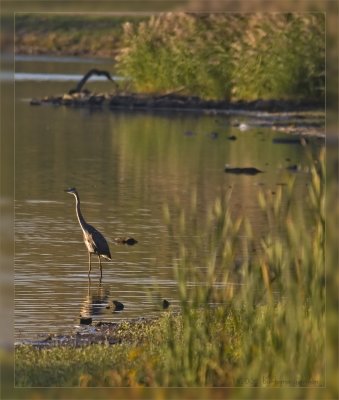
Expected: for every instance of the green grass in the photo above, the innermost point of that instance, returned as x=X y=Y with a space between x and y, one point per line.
x=267 y=332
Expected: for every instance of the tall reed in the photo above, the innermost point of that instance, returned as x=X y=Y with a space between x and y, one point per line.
x=257 y=330
x=229 y=56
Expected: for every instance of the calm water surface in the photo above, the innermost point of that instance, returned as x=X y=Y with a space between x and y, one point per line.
x=126 y=166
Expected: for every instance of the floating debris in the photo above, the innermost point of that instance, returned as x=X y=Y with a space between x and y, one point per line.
x=288 y=140
x=242 y=170
x=126 y=240
x=35 y=102
x=232 y=137
x=243 y=127
x=293 y=168
x=189 y=133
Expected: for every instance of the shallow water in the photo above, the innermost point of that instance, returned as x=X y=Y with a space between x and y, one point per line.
x=126 y=165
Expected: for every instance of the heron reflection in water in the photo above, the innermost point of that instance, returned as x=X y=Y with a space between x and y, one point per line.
x=95 y=301
x=94 y=240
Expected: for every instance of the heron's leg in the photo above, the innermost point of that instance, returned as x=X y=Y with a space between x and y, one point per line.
x=89 y=263
x=100 y=266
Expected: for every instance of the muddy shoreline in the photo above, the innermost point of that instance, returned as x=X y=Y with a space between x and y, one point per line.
x=305 y=118
x=175 y=102
x=101 y=332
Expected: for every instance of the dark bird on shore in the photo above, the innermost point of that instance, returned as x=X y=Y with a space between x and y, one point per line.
x=90 y=73
x=94 y=240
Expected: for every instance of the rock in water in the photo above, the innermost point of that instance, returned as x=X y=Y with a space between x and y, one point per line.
x=242 y=170
x=127 y=240
x=165 y=304
x=117 y=306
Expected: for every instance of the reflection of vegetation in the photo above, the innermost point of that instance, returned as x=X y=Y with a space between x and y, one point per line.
x=227 y=56
x=253 y=335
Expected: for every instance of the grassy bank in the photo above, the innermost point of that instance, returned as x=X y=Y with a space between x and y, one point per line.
x=267 y=332
x=73 y=34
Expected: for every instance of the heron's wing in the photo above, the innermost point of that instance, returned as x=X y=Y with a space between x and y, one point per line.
x=98 y=241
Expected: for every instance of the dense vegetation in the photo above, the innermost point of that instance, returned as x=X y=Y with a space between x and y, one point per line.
x=227 y=56
x=269 y=331
x=222 y=56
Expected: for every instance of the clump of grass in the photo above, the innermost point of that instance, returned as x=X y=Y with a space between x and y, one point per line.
x=227 y=56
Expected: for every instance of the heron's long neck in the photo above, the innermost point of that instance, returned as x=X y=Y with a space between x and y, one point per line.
x=81 y=220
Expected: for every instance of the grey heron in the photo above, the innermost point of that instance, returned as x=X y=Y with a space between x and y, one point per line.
x=94 y=240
